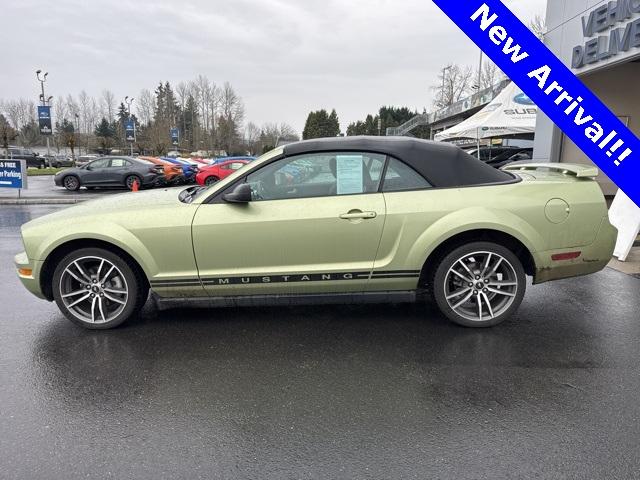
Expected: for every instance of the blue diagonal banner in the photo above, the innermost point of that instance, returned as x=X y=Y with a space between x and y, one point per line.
x=553 y=87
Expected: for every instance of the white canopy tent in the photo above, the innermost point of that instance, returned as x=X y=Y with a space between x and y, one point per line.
x=511 y=113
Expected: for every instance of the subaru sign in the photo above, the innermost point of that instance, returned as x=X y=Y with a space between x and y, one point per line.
x=130 y=131
x=13 y=173
x=175 y=136
x=44 y=119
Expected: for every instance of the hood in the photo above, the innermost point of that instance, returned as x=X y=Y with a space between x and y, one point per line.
x=130 y=201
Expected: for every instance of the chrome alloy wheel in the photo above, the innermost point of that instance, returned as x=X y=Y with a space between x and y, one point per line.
x=481 y=286
x=93 y=289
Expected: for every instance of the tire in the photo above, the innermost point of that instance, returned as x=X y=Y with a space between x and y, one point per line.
x=211 y=180
x=71 y=183
x=128 y=182
x=479 y=284
x=42 y=165
x=119 y=295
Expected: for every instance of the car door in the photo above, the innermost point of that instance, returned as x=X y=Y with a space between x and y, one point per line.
x=313 y=226
x=95 y=172
x=117 y=171
x=413 y=205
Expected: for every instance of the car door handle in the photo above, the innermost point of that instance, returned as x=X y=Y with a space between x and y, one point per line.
x=358 y=214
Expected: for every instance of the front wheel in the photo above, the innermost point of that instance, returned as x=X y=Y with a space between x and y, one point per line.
x=71 y=183
x=98 y=289
x=479 y=284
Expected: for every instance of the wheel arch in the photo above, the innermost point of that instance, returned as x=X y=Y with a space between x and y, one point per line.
x=66 y=247
x=493 y=235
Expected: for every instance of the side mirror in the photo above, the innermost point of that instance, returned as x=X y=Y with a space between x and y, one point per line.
x=240 y=194
x=87 y=167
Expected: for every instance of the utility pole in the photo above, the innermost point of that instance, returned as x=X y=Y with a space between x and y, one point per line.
x=76 y=135
x=45 y=101
x=444 y=76
x=129 y=101
x=480 y=73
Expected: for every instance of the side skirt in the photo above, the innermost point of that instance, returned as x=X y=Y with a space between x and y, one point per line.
x=409 y=296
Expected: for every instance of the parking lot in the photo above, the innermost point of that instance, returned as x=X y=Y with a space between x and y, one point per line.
x=322 y=392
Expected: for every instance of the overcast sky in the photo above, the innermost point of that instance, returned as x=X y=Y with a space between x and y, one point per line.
x=284 y=57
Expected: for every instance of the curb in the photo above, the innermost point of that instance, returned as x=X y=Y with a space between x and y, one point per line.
x=41 y=201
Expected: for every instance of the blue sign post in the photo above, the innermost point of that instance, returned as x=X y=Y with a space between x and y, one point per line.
x=44 y=120
x=175 y=136
x=130 y=131
x=13 y=173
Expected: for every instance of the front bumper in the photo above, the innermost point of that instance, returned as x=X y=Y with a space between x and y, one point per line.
x=30 y=281
x=592 y=259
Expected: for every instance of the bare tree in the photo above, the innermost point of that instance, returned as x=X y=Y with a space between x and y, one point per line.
x=454 y=84
x=20 y=112
x=538 y=26
x=145 y=107
x=108 y=105
x=230 y=118
x=272 y=133
x=252 y=137
x=489 y=76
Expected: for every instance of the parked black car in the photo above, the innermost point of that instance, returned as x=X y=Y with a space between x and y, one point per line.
x=498 y=157
x=507 y=157
x=33 y=159
x=58 y=161
x=110 y=172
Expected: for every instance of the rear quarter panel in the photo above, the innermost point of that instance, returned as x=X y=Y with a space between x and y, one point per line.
x=418 y=222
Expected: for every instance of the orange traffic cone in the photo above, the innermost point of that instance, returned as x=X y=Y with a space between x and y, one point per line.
x=134 y=187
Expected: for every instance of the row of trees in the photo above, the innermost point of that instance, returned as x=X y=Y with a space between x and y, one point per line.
x=210 y=118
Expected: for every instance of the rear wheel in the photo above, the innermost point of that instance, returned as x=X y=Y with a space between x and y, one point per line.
x=71 y=183
x=211 y=180
x=131 y=180
x=479 y=284
x=98 y=289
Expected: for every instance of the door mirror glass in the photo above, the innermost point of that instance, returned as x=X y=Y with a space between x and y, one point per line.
x=240 y=194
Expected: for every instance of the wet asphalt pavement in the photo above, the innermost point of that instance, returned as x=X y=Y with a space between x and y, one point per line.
x=331 y=392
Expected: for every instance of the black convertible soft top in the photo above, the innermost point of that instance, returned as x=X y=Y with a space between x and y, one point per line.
x=442 y=164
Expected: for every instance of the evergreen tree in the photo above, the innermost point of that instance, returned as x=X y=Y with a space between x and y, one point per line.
x=320 y=124
x=106 y=132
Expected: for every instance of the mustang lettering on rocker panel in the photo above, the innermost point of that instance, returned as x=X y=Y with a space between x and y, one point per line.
x=279 y=278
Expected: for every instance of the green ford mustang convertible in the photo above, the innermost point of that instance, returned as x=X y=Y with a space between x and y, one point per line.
x=336 y=220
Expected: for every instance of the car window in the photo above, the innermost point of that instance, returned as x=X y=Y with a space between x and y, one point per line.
x=119 y=163
x=237 y=165
x=102 y=163
x=318 y=175
x=401 y=177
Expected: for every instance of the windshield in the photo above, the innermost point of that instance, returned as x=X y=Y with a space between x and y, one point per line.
x=188 y=195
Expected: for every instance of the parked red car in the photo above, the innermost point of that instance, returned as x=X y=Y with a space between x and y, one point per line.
x=212 y=174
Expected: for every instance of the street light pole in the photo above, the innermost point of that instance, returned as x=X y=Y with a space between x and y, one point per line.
x=77 y=133
x=444 y=76
x=129 y=101
x=44 y=103
x=480 y=73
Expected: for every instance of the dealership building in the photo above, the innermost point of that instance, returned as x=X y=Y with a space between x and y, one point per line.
x=600 y=42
